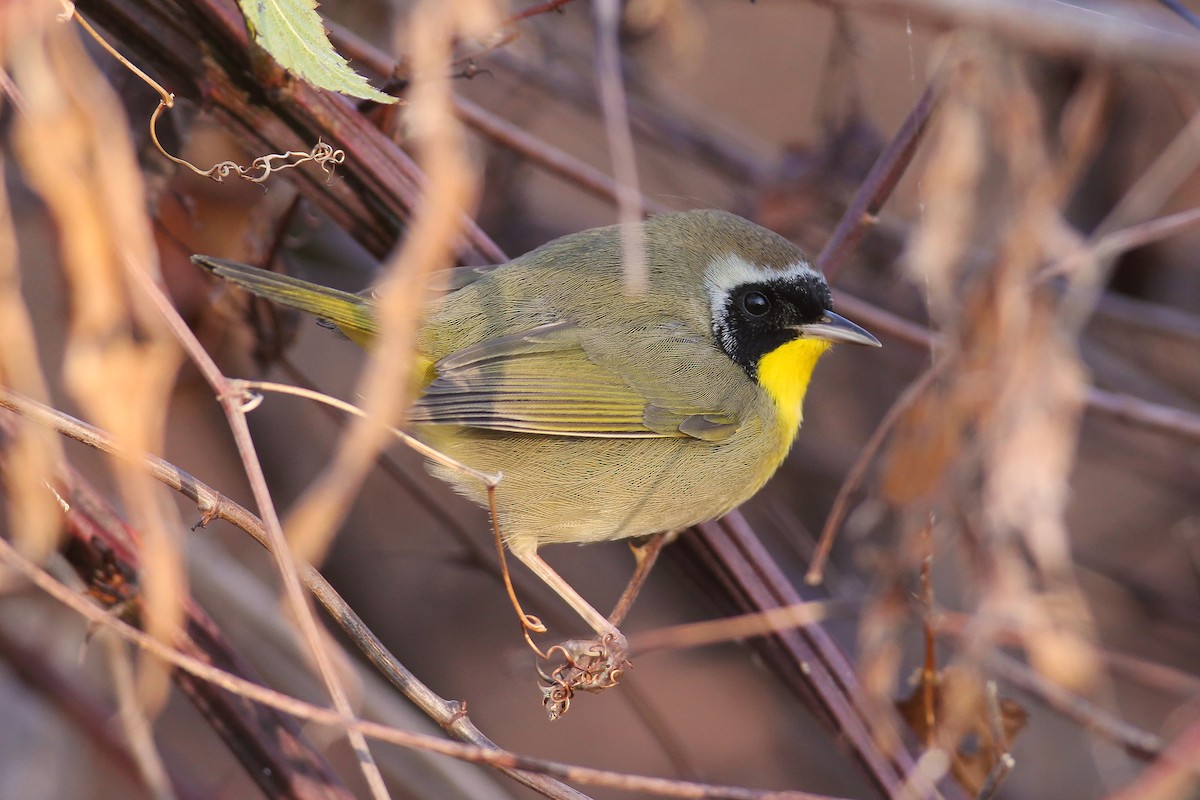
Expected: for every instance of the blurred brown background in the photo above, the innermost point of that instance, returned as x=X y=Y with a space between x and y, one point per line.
x=796 y=112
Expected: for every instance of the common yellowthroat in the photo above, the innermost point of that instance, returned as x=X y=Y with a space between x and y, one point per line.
x=609 y=415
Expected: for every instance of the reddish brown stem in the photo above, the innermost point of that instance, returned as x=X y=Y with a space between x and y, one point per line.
x=878 y=186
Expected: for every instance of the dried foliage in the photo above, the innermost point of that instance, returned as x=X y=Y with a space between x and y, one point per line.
x=1017 y=523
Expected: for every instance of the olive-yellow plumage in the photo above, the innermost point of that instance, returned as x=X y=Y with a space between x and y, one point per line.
x=611 y=415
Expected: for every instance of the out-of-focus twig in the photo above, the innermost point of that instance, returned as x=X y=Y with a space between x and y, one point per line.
x=213 y=505
x=135 y=722
x=298 y=708
x=504 y=133
x=1173 y=775
x=878 y=186
x=1132 y=237
x=1179 y=8
x=854 y=478
x=806 y=658
x=762 y=623
x=1104 y=29
x=1135 y=741
x=610 y=85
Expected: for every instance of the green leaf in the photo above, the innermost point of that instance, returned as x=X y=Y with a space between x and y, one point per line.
x=292 y=32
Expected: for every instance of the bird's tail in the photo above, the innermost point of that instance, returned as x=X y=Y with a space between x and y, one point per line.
x=350 y=313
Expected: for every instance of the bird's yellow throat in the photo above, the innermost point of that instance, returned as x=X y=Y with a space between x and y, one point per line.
x=785 y=372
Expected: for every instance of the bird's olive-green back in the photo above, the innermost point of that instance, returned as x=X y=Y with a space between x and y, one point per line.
x=554 y=344
x=580 y=276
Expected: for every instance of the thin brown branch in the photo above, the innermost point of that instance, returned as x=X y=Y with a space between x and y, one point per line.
x=1123 y=33
x=289 y=705
x=1174 y=774
x=1137 y=742
x=1144 y=414
x=806 y=658
x=858 y=472
x=878 y=186
x=1132 y=237
x=231 y=402
x=533 y=11
x=212 y=505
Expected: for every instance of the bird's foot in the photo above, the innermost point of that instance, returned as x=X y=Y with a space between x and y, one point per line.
x=591 y=665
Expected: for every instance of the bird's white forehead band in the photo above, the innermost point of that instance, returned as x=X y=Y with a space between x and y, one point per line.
x=729 y=271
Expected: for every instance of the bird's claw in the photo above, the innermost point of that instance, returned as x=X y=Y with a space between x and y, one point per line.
x=591 y=665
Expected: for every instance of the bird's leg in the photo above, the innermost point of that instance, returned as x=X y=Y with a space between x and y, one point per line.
x=644 y=555
x=597 y=621
x=590 y=666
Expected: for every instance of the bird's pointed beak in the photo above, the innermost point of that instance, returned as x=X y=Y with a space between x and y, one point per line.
x=836 y=328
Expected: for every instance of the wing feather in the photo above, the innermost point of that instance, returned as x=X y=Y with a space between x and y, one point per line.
x=543 y=381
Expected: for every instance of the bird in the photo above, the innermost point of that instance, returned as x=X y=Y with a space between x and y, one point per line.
x=610 y=414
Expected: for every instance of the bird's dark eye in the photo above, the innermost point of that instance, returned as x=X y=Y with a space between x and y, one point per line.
x=756 y=303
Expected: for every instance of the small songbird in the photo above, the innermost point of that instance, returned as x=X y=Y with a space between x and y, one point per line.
x=609 y=414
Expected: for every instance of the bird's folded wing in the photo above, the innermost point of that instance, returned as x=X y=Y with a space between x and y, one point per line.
x=542 y=381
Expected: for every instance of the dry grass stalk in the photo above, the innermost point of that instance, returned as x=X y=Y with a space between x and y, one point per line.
x=30 y=457
x=989 y=453
x=120 y=362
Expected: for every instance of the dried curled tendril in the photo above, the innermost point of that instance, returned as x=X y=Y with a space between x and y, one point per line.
x=321 y=154
x=590 y=666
